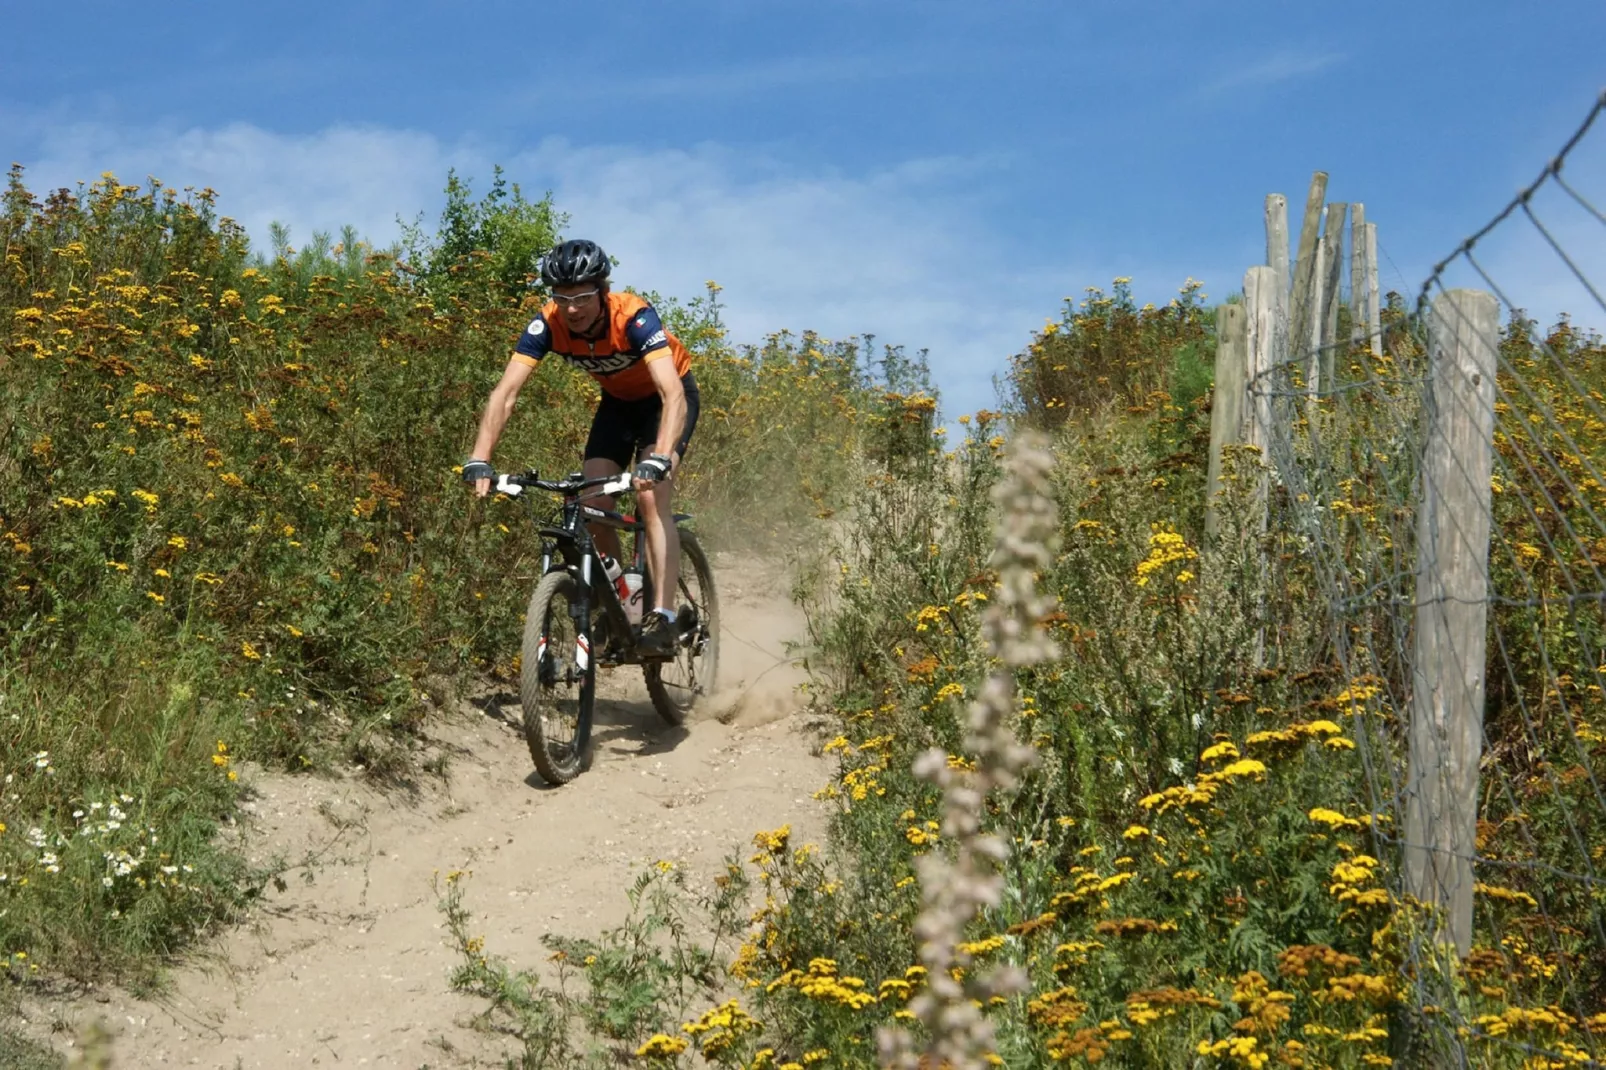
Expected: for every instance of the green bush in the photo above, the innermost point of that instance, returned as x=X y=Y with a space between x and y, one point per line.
x=230 y=526
x=1201 y=869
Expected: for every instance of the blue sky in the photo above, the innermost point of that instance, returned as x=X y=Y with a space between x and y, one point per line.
x=940 y=174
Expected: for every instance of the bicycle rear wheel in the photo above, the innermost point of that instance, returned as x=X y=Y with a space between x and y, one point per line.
x=677 y=684
x=557 y=681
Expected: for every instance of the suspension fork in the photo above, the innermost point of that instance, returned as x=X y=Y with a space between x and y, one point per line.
x=583 y=655
x=582 y=624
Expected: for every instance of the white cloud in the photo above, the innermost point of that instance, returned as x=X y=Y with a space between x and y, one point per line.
x=886 y=253
x=893 y=252
x=363 y=176
x=1280 y=66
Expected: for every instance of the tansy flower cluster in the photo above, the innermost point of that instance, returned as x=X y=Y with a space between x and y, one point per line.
x=1165 y=548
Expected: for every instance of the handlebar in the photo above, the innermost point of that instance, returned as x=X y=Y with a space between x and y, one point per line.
x=514 y=485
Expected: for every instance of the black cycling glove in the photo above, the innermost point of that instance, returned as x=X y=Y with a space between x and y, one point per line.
x=653 y=468
x=476 y=470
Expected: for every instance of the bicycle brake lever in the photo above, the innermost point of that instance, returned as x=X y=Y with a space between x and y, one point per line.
x=618 y=486
x=504 y=485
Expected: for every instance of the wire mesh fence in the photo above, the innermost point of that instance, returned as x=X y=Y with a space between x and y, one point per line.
x=1439 y=472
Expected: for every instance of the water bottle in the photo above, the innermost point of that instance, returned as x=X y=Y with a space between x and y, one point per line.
x=630 y=593
x=612 y=569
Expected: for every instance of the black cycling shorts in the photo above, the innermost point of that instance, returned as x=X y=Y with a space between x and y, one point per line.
x=621 y=429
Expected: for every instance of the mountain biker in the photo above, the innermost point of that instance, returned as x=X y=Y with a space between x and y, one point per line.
x=646 y=416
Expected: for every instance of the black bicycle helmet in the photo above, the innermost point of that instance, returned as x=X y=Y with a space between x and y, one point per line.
x=575 y=261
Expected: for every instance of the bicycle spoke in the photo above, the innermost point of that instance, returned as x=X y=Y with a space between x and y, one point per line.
x=560 y=717
x=677 y=684
x=555 y=689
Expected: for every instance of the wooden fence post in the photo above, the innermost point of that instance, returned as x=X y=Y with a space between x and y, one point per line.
x=1452 y=601
x=1228 y=403
x=1359 y=319
x=1265 y=300
x=1317 y=320
x=1332 y=293
x=1268 y=349
x=1374 y=310
x=1277 y=235
x=1305 y=266
x=1277 y=250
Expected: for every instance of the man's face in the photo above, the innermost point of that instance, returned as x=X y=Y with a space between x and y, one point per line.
x=580 y=306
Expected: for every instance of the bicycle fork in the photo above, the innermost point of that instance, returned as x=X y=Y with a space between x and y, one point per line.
x=582 y=654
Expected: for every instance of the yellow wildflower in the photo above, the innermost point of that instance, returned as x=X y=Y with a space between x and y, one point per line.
x=662 y=1046
x=1244 y=767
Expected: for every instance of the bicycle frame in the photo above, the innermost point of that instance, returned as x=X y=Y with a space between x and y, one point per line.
x=574 y=584
x=573 y=543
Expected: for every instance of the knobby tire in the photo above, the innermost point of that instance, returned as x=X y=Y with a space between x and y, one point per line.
x=675 y=702
x=553 y=701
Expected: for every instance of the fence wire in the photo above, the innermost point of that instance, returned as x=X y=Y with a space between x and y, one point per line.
x=1351 y=424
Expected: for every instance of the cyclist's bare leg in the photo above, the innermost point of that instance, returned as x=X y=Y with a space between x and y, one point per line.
x=606 y=538
x=663 y=540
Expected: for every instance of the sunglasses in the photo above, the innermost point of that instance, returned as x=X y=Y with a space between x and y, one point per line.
x=574 y=300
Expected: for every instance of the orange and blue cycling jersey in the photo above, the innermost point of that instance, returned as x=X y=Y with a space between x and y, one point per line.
x=618 y=358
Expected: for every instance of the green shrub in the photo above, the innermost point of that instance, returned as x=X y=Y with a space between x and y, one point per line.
x=230 y=526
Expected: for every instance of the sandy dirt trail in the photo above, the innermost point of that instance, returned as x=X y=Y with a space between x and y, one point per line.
x=352 y=968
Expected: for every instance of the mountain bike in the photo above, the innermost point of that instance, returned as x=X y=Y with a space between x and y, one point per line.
x=577 y=621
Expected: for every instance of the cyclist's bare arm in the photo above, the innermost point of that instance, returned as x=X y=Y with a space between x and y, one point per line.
x=497 y=411
x=673 y=420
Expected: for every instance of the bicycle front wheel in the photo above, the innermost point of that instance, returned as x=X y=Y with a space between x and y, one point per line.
x=676 y=685
x=557 y=681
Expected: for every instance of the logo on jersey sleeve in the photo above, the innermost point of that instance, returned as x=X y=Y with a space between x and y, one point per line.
x=641 y=321
x=656 y=340
x=536 y=326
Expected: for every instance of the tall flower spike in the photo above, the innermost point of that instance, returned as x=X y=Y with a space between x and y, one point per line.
x=952 y=891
